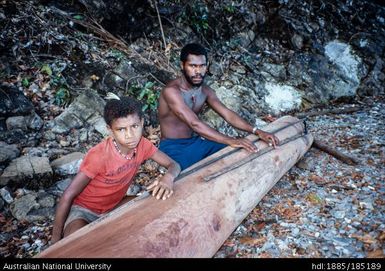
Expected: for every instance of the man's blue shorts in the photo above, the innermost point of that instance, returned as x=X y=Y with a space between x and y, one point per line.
x=187 y=151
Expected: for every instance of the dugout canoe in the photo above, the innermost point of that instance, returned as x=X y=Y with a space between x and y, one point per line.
x=211 y=198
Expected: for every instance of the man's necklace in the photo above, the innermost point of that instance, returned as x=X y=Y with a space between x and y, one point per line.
x=122 y=154
x=193 y=92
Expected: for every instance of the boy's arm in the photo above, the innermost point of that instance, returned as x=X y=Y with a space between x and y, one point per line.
x=75 y=188
x=162 y=188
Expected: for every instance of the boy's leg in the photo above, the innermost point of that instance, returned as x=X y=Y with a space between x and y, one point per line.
x=78 y=218
x=74 y=226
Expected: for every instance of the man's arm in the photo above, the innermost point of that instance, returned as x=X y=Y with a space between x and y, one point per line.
x=75 y=188
x=183 y=112
x=235 y=120
x=162 y=188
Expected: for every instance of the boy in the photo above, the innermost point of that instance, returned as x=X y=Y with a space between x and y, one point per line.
x=108 y=170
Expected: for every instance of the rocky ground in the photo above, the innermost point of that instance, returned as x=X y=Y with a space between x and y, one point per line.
x=323 y=207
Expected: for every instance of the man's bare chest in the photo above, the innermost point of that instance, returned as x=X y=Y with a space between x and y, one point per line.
x=194 y=98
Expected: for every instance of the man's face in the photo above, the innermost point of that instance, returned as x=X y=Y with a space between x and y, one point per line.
x=194 y=69
x=127 y=131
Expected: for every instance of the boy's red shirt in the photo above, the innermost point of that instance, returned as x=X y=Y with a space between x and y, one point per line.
x=111 y=174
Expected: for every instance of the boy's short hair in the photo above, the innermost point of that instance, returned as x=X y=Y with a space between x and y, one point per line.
x=192 y=49
x=115 y=109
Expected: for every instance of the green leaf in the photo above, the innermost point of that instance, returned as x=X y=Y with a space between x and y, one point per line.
x=78 y=17
x=149 y=85
x=314 y=198
x=25 y=82
x=62 y=96
x=142 y=93
x=46 y=69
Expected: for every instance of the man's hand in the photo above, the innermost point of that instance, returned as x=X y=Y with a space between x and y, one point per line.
x=243 y=143
x=269 y=138
x=161 y=189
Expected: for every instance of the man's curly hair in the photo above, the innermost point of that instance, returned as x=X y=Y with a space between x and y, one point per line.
x=192 y=49
x=115 y=109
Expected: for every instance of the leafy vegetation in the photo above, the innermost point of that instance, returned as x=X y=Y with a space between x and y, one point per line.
x=25 y=82
x=115 y=53
x=197 y=16
x=62 y=96
x=147 y=93
x=46 y=69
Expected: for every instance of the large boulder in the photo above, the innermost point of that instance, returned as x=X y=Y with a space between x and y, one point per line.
x=322 y=78
x=85 y=110
x=8 y=152
x=26 y=171
x=68 y=164
x=33 y=207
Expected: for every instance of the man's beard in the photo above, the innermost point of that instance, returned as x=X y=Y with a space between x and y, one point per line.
x=190 y=81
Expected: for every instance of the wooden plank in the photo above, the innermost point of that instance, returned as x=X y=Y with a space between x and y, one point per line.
x=199 y=216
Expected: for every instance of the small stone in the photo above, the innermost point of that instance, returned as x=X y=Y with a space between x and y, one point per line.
x=133 y=190
x=366 y=205
x=347 y=220
x=339 y=214
x=64 y=143
x=297 y=41
x=26 y=246
x=16 y=123
x=6 y=195
x=83 y=136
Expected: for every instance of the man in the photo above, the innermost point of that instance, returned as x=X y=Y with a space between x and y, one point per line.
x=180 y=103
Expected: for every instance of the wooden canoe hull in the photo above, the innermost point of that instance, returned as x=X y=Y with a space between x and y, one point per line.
x=200 y=215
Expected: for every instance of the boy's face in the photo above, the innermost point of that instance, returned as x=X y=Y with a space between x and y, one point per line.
x=127 y=132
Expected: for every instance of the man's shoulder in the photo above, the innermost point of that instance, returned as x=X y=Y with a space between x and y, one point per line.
x=172 y=88
x=173 y=84
x=207 y=89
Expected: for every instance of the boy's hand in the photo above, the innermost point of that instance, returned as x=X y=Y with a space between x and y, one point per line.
x=161 y=189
